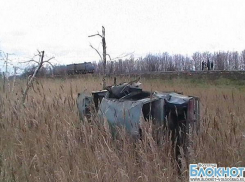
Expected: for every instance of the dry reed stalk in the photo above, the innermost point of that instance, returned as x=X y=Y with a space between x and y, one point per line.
x=45 y=141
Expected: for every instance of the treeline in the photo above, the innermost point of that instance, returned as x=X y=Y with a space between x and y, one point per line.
x=229 y=61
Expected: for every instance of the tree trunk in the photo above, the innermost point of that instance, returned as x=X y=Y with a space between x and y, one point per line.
x=104 y=57
x=29 y=83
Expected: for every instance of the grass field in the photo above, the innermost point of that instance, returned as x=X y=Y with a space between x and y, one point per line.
x=45 y=141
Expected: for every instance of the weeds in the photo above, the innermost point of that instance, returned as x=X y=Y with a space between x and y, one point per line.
x=45 y=141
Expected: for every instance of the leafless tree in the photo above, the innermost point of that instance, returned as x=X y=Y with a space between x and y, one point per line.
x=243 y=59
x=5 y=75
x=165 y=62
x=111 y=65
x=40 y=63
x=104 y=54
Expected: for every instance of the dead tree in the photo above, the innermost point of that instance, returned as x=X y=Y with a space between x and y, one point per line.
x=103 y=57
x=39 y=66
x=5 y=75
x=104 y=54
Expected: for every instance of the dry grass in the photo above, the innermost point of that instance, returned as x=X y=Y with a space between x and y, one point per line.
x=45 y=141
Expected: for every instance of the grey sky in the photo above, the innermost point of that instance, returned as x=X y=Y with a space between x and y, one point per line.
x=61 y=27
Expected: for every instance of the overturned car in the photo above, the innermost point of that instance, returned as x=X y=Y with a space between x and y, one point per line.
x=127 y=105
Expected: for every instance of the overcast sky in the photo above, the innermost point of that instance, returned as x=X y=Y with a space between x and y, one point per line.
x=61 y=27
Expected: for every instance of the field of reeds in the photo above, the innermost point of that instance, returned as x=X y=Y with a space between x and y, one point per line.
x=44 y=139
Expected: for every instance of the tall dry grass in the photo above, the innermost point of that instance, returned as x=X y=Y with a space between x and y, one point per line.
x=45 y=141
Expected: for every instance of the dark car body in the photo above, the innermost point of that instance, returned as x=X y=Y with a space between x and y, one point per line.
x=129 y=106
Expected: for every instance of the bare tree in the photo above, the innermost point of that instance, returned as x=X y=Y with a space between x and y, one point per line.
x=104 y=54
x=6 y=62
x=40 y=63
x=243 y=59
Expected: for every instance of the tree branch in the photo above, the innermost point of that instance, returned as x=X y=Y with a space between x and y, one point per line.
x=52 y=67
x=95 y=35
x=96 y=51
x=109 y=56
x=47 y=61
x=29 y=61
x=119 y=57
x=39 y=53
